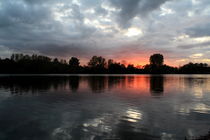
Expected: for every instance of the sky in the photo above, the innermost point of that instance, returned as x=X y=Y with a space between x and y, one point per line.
x=127 y=31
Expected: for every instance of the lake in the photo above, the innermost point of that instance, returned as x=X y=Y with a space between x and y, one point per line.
x=103 y=107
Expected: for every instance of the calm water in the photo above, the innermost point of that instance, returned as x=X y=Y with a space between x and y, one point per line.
x=65 y=107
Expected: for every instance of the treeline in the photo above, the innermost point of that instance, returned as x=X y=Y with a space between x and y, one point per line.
x=38 y=64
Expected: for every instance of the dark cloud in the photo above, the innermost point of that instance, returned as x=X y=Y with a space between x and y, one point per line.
x=131 y=8
x=65 y=50
x=13 y=13
x=200 y=30
x=84 y=28
x=30 y=25
x=197 y=45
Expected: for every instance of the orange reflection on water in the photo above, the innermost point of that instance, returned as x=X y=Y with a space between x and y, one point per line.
x=146 y=85
x=126 y=84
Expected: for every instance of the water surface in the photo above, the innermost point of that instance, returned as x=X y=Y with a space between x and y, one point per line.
x=121 y=107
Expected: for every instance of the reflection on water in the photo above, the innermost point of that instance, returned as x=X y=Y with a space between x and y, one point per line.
x=97 y=84
x=156 y=85
x=74 y=83
x=82 y=107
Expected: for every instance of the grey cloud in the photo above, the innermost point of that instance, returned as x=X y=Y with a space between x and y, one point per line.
x=101 y=11
x=129 y=9
x=200 y=30
x=54 y=49
x=14 y=13
x=32 y=26
x=198 y=45
x=74 y=49
x=25 y=26
x=91 y=3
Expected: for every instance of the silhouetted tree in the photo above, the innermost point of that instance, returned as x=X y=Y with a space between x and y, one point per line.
x=12 y=57
x=97 y=64
x=63 y=61
x=20 y=63
x=74 y=65
x=55 y=61
x=131 y=68
x=110 y=62
x=195 y=68
x=156 y=59
x=156 y=66
x=164 y=69
x=74 y=62
x=114 y=67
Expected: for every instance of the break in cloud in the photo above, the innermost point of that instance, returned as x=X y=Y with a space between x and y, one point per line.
x=128 y=30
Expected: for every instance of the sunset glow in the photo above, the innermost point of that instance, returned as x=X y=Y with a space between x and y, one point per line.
x=121 y=30
x=104 y=69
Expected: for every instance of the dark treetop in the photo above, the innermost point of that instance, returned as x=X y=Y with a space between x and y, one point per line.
x=38 y=64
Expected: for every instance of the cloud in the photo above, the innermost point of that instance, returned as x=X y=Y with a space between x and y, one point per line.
x=26 y=25
x=65 y=51
x=111 y=28
x=200 y=30
x=129 y=9
x=197 y=45
x=197 y=55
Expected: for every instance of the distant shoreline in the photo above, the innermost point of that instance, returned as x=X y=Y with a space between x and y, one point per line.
x=66 y=74
x=38 y=64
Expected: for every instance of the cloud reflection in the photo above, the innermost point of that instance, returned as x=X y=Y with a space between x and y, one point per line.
x=132 y=115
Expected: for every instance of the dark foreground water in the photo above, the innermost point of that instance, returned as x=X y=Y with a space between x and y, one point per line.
x=119 y=107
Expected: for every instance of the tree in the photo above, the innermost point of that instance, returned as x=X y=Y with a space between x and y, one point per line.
x=63 y=61
x=16 y=57
x=74 y=62
x=110 y=62
x=97 y=62
x=194 y=68
x=55 y=61
x=131 y=68
x=156 y=59
x=12 y=57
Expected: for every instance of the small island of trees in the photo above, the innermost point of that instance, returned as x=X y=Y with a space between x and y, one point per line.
x=38 y=64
